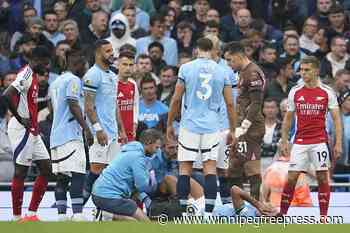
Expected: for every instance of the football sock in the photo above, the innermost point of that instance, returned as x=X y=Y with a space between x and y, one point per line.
x=287 y=197
x=224 y=188
x=39 y=190
x=210 y=191
x=17 y=189
x=183 y=190
x=76 y=192
x=255 y=182
x=323 y=198
x=61 y=193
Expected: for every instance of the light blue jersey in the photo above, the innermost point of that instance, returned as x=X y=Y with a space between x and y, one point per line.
x=204 y=81
x=224 y=122
x=227 y=210
x=64 y=127
x=127 y=173
x=152 y=114
x=104 y=84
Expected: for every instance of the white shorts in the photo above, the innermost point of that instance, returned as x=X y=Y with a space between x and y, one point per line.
x=304 y=156
x=200 y=147
x=103 y=154
x=69 y=157
x=25 y=146
x=222 y=160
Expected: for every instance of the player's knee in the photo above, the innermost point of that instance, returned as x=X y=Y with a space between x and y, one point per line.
x=20 y=172
x=322 y=177
x=62 y=182
x=97 y=168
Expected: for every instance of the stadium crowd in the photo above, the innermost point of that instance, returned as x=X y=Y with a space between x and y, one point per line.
x=150 y=40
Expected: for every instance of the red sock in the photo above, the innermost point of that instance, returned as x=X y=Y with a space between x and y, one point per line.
x=287 y=197
x=17 y=189
x=324 y=194
x=39 y=189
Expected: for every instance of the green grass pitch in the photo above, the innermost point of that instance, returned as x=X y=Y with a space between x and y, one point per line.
x=134 y=227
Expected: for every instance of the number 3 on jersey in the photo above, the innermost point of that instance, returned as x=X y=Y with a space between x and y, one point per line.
x=205 y=90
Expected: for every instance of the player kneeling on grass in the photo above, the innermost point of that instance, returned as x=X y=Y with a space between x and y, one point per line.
x=127 y=173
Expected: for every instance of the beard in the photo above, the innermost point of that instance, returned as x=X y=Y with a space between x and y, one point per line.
x=40 y=69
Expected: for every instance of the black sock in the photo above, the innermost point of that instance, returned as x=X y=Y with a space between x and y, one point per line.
x=210 y=191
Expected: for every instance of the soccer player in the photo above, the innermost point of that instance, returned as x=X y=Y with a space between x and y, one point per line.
x=244 y=205
x=113 y=189
x=250 y=129
x=23 y=132
x=222 y=161
x=101 y=108
x=202 y=82
x=66 y=139
x=310 y=102
x=128 y=94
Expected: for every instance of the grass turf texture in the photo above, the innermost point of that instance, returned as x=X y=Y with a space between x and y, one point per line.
x=133 y=227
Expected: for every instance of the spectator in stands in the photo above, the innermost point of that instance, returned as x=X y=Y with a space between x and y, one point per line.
x=321 y=40
x=120 y=33
x=241 y=29
x=292 y=51
x=58 y=63
x=270 y=33
x=130 y=13
x=151 y=111
x=199 y=19
x=184 y=58
x=156 y=51
x=279 y=87
x=338 y=24
x=83 y=17
x=185 y=37
x=157 y=34
x=228 y=22
x=341 y=81
x=170 y=20
x=98 y=29
x=268 y=56
x=212 y=28
x=71 y=32
x=61 y=9
x=283 y=107
x=257 y=40
x=213 y=15
x=146 y=5
x=143 y=66
x=166 y=87
x=4 y=64
x=322 y=12
x=306 y=40
x=142 y=17
x=272 y=135
x=28 y=13
x=51 y=27
x=336 y=59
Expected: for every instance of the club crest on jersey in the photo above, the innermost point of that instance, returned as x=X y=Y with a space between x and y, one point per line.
x=319 y=98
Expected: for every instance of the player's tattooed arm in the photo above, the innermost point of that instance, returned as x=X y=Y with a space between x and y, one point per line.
x=76 y=111
x=90 y=106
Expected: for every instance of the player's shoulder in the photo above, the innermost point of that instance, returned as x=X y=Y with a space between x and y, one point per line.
x=327 y=88
x=25 y=73
x=297 y=88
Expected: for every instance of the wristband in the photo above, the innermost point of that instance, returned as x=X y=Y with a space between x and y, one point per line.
x=97 y=127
